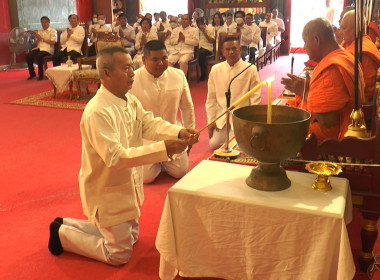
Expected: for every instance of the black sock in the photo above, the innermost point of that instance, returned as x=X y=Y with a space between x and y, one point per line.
x=55 y=246
x=59 y=220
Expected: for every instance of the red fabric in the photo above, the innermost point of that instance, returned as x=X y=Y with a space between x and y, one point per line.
x=85 y=10
x=370 y=63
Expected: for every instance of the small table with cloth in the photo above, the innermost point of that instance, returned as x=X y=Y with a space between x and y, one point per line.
x=214 y=225
x=61 y=76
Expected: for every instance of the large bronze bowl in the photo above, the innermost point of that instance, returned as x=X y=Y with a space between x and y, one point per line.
x=270 y=143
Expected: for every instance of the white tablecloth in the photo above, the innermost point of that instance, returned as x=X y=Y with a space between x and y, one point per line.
x=61 y=76
x=214 y=225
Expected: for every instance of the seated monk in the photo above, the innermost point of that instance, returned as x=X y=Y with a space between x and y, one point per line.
x=371 y=56
x=330 y=93
x=373 y=31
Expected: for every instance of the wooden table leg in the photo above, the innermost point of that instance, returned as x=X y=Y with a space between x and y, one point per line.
x=71 y=89
x=368 y=237
x=55 y=91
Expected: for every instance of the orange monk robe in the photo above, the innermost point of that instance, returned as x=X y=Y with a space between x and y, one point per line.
x=370 y=63
x=373 y=31
x=332 y=88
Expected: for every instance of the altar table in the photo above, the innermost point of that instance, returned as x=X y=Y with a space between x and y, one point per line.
x=214 y=225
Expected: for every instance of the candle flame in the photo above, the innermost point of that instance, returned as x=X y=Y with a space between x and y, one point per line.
x=270 y=79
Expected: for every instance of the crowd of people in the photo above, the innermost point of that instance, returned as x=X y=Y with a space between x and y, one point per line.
x=181 y=35
x=132 y=131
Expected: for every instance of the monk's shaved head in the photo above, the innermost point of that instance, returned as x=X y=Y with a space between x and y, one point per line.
x=349 y=19
x=320 y=27
x=347 y=27
x=319 y=38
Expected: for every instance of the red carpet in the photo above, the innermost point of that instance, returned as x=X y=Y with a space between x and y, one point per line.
x=40 y=158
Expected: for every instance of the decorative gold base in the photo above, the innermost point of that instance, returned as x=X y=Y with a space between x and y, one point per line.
x=359 y=132
x=322 y=184
x=226 y=153
x=323 y=169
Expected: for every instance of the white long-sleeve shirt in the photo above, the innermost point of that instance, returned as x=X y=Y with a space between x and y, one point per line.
x=151 y=35
x=128 y=31
x=75 y=41
x=280 y=24
x=246 y=35
x=256 y=35
x=191 y=40
x=49 y=34
x=165 y=96
x=272 y=30
x=203 y=42
x=110 y=178
x=220 y=76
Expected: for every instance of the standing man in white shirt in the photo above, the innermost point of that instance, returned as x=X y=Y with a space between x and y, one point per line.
x=72 y=39
x=46 y=38
x=101 y=27
x=206 y=44
x=126 y=33
x=220 y=76
x=256 y=36
x=245 y=31
x=280 y=25
x=113 y=126
x=164 y=91
x=184 y=40
x=272 y=30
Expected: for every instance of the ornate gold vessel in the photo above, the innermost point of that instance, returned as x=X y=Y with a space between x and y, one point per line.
x=323 y=169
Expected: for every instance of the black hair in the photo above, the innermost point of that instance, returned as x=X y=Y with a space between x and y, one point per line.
x=220 y=17
x=200 y=20
x=147 y=20
x=240 y=12
x=154 y=45
x=46 y=18
x=73 y=15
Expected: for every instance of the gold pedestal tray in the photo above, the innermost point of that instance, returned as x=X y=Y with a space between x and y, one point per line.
x=323 y=169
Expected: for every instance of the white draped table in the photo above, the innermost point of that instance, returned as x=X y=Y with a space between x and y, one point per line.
x=214 y=225
x=61 y=76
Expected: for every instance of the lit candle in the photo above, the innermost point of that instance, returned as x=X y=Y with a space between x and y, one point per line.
x=269 y=107
x=245 y=96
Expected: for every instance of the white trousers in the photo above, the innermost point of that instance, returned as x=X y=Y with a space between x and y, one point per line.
x=111 y=245
x=182 y=60
x=219 y=137
x=176 y=168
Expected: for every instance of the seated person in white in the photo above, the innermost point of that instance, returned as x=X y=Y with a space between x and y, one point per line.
x=229 y=24
x=220 y=76
x=173 y=25
x=164 y=23
x=71 y=41
x=144 y=36
x=206 y=44
x=46 y=38
x=184 y=40
x=245 y=31
x=272 y=30
x=280 y=24
x=127 y=33
x=164 y=91
x=100 y=27
x=256 y=36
